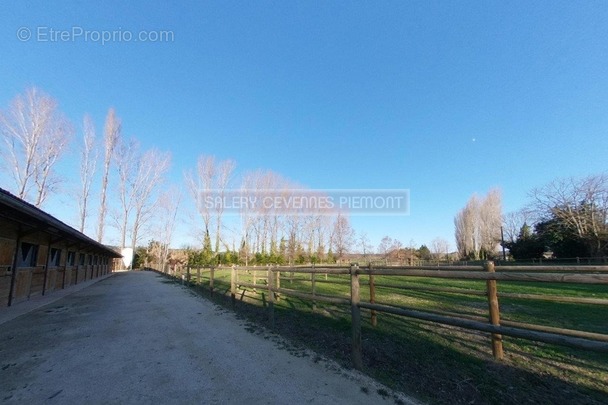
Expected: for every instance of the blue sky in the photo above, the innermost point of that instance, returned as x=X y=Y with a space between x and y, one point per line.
x=444 y=98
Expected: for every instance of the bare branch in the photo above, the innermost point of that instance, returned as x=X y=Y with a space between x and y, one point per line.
x=112 y=132
x=223 y=176
x=343 y=236
x=581 y=204
x=88 y=163
x=35 y=134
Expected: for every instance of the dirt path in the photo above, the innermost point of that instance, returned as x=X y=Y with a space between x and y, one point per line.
x=134 y=338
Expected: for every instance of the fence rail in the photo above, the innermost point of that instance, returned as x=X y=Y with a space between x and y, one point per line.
x=268 y=280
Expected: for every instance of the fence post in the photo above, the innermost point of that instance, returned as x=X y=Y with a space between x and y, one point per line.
x=198 y=275
x=372 y=296
x=494 y=312
x=211 y=273
x=355 y=298
x=233 y=285
x=255 y=276
x=314 y=288
x=188 y=275
x=271 y=298
x=278 y=284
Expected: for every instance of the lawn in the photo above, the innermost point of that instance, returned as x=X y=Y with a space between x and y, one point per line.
x=438 y=363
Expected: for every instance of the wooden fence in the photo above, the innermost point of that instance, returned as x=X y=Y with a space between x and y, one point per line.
x=268 y=279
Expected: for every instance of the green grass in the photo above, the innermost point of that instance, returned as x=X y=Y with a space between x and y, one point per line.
x=438 y=363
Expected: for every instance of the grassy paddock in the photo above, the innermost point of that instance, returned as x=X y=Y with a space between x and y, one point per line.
x=439 y=363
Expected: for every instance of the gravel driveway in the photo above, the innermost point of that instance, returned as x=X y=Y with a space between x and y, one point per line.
x=135 y=338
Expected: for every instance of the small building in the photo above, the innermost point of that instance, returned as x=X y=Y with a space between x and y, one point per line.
x=40 y=254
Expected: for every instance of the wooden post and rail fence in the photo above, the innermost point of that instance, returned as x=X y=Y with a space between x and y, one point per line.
x=493 y=325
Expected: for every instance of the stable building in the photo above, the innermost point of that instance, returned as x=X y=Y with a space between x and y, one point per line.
x=40 y=254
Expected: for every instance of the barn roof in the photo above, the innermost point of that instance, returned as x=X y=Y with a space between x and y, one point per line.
x=17 y=210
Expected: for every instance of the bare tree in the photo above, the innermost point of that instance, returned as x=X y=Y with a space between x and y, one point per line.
x=581 y=204
x=168 y=205
x=224 y=174
x=294 y=225
x=35 y=134
x=466 y=229
x=343 y=236
x=321 y=228
x=385 y=246
x=140 y=176
x=151 y=166
x=396 y=245
x=285 y=222
x=261 y=223
x=490 y=220
x=412 y=245
x=396 y=250
x=440 y=248
x=111 y=137
x=513 y=222
x=247 y=216
x=88 y=162
x=125 y=156
x=364 y=245
x=201 y=186
x=477 y=226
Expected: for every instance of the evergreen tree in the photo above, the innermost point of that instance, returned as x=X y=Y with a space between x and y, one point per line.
x=527 y=246
x=424 y=253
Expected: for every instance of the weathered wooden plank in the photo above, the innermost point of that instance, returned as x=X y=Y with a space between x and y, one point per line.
x=372 y=300
x=469 y=275
x=552 y=338
x=317 y=270
x=318 y=297
x=464 y=291
x=270 y=282
x=313 y=283
x=573 y=268
x=355 y=298
x=523 y=325
x=233 y=285
x=211 y=278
